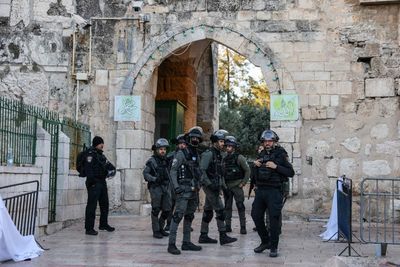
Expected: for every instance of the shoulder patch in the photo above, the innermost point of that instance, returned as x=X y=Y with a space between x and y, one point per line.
x=174 y=162
x=89 y=158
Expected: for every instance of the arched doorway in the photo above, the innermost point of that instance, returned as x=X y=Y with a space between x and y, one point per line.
x=151 y=71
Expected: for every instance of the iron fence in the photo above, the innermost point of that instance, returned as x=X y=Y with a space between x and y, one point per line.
x=380 y=210
x=22 y=206
x=80 y=138
x=18 y=124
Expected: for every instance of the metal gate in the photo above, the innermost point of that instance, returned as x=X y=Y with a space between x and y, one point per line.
x=380 y=211
x=22 y=206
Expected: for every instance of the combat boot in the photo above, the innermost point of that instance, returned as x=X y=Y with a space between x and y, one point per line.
x=205 y=239
x=190 y=246
x=173 y=249
x=225 y=239
x=163 y=233
x=273 y=253
x=262 y=247
x=157 y=235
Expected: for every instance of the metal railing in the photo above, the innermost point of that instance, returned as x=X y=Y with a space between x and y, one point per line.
x=22 y=206
x=18 y=124
x=380 y=211
x=80 y=137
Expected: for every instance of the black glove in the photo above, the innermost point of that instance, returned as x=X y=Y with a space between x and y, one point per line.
x=213 y=187
x=158 y=179
x=179 y=190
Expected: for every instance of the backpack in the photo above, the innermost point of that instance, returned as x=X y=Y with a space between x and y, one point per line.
x=80 y=162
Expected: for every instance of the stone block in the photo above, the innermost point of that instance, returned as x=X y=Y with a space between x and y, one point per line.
x=263 y=15
x=322 y=76
x=43 y=200
x=123 y=158
x=313 y=66
x=330 y=113
x=306 y=4
x=379 y=131
x=145 y=209
x=44 y=182
x=325 y=100
x=376 y=168
x=246 y=15
x=43 y=217
x=130 y=139
x=5 y=10
x=296 y=150
x=379 y=87
x=63 y=166
x=334 y=100
x=286 y=135
x=303 y=76
x=62 y=181
x=133 y=206
x=42 y=143
x=314 y=100
x=352 y=144
x=391 y=148
x=303 y=100
x=54 y=227
x=132 y=184
x=333 y=66
x=349 y=167
x=312 y=56
x=332 y=168
x=139 y=158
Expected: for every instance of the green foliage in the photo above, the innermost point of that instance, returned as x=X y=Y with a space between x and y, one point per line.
x=246 y=123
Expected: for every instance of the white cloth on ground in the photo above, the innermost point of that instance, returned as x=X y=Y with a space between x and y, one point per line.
x=331 y=231
x=14 y=246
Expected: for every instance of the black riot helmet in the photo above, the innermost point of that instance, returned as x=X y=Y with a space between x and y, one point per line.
x=180 y=138
x=231 y=141
x=218 y=135
x=197 y=132
x=269 y=135
x=161 y=142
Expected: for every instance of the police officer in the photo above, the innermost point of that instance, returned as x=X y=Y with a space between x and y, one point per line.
x=97 y=169
x=185 y=177
x=213 y=182
x=236 y=174
x=180 y=142
x=156 y=173
x=272 y=169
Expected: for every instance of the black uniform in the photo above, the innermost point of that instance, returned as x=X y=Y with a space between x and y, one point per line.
x=269 y=193
x=157 y=177
x=97 y=168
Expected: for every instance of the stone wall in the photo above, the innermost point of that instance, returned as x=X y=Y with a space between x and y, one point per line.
x=341 y=57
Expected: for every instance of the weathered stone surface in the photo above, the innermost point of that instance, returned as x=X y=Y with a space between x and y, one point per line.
x=380 y=131
x=379 y=87
x=389 y=147
x=367 y=150
x=285 y=134
x=132 y=184
x=376 y=168
x=349 y=167
x=332 y=168
x=322 y=128
x=388 y=107
x=354 y=123
x=352 y=144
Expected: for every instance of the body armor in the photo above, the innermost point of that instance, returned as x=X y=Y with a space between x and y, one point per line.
x=231 y=167
x=215 y=170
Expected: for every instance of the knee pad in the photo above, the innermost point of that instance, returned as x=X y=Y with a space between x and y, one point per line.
x=240 y=206
x=207 y=216
x=189 y=217
x=220 y=215
x=177 y=217
x=155 y=211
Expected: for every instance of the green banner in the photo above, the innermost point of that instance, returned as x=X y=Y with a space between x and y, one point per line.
x=284 y=107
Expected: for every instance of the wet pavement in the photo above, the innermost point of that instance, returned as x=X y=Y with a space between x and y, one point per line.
x=132 y=244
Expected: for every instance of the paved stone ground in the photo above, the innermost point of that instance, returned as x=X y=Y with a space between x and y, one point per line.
x=132 y=245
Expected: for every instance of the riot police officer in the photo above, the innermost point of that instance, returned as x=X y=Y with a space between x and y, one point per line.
x=97 y=169
x=272 y=169
x=156 y=173
x=213 y=182
x=185 y=177
x=236 y=174
x=180 y=142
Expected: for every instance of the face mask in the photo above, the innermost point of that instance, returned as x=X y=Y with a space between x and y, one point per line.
x=194 y=142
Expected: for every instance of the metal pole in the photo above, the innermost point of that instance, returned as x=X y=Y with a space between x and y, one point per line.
x=77 y=100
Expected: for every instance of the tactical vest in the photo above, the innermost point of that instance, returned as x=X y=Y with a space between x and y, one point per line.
x=232 y=169
x=162 y=167
x=187 y=171
x=267 y=176
x=215 y=170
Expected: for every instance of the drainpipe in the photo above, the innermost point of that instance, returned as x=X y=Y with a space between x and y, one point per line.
x=77 y=100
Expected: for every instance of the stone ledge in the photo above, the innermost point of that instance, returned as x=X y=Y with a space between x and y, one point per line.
x=19 y=170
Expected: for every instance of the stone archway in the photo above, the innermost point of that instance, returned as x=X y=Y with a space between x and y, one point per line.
x=134 y=140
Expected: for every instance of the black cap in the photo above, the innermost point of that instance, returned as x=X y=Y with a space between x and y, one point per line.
x=97 y=140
